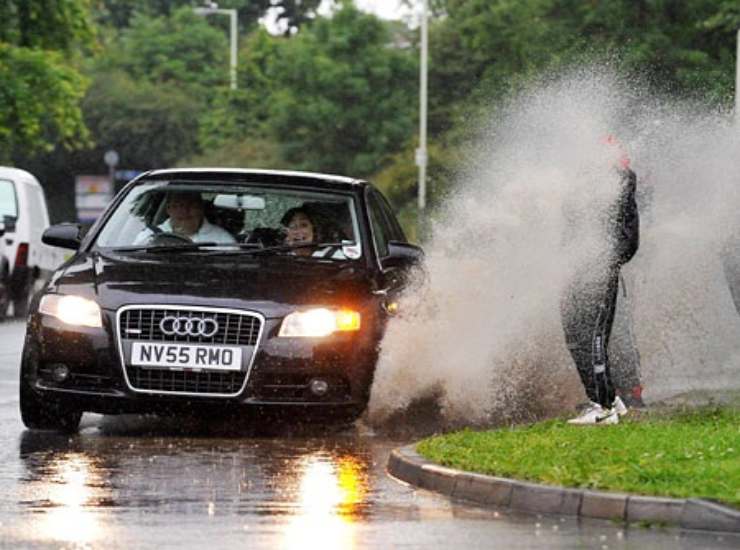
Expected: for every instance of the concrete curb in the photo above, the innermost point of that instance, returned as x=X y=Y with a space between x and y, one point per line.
x=407 y=465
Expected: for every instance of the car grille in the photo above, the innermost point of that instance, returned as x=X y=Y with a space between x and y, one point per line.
x=186 y=382
x=234 y=328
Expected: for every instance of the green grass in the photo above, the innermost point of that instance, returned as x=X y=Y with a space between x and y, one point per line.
x=680 y=454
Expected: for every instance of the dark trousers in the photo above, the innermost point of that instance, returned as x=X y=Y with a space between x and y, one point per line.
x=624 y=357
x=587 y=313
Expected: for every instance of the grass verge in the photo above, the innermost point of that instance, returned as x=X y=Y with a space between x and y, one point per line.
x=681 y=454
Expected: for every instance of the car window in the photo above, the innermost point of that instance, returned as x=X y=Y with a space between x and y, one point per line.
x=8 y=201
x=228 y=213
x=382 y=232
x=395 y=231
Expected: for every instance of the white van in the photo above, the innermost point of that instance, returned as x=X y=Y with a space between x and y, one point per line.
x=25 y=262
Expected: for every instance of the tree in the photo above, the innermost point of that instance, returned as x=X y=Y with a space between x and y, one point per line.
x=151 y=126
x=236 y=115
x=344 y=96
x=180 y=49
x=41 y=89
x=289 y=14
x=39 y=101
x=62 y=25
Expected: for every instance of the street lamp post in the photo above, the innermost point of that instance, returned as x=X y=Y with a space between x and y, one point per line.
x=421 y=152
x=212 y=7
x=737 y=81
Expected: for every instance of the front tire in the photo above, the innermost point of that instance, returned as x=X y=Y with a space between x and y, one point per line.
x=40 y=415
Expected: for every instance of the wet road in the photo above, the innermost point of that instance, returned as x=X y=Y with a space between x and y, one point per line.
x=139 y=482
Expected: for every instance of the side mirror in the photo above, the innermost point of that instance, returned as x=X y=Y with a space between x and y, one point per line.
x=2 y=229
x=9 y=224
x=63 y=235
x=403 y=255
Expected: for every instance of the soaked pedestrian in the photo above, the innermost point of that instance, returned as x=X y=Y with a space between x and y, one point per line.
x=589 y=300
x=624 y=355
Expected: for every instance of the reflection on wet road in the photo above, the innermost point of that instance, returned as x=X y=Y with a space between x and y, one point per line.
x=143 y=482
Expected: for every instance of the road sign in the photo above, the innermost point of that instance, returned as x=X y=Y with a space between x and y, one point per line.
x=92 y=195
x=111 y=158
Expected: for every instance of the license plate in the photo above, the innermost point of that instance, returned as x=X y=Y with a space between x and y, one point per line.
x=150 y=354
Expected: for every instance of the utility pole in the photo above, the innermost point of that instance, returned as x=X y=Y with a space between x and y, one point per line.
x=421 y=152
x=737 y=82
x=212 y=7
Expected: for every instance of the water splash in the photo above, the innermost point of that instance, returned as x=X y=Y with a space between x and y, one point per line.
x=483 y=338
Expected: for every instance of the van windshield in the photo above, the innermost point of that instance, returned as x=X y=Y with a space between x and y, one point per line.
x=8 y=202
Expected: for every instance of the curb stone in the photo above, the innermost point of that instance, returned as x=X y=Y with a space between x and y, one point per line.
x=407 y=465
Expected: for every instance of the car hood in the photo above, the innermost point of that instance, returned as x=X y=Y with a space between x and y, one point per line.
x=273 y=285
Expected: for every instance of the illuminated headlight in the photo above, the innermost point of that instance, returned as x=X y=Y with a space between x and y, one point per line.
x=319 y=322
x=72 y=310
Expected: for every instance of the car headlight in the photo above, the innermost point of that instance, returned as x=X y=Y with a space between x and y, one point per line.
x=72 y=310
x=319 y=322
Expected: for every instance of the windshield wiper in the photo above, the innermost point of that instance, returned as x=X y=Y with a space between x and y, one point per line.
x=232 y=248
x=287 y=248
x=185 y=247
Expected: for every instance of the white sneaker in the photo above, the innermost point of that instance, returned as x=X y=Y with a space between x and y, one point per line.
x=595 y=414
x=620 y=407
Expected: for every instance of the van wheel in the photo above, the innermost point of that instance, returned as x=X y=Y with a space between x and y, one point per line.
x=22 y=304
x=38 y=415
x=20 y=307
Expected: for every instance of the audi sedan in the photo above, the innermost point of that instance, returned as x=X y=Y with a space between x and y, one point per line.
x=217 y=291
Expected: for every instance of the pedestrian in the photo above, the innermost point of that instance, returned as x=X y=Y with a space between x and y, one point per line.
x=624 y=355
x=588 y=302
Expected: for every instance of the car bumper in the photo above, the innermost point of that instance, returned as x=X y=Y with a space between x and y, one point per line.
x=281 y=373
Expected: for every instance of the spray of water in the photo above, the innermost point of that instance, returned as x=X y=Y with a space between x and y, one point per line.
x=482 y=338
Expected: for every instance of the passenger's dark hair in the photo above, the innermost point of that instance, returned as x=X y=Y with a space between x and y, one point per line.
x=292 y=212
x=317 y=221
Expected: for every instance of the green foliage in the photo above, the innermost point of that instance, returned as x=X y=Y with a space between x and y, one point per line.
x=334 y=98
x=399 y=179
x=235 y=115
x=41 y=90
x=251 y=152
x=180 y=49
x=149 y=125
x=336 y=94
x=38 y=101
x=61 y=25
x=343 y=98
x=291 y=14
x=685 y=454
x=684 y=47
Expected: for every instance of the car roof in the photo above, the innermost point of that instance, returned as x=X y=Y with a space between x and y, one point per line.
x=19 y=175
x=242 y=175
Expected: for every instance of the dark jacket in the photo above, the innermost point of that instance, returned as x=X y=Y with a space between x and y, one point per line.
x=620 y=224
x=626 y=220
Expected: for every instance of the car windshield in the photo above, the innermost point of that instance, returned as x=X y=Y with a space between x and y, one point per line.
x=215 y=217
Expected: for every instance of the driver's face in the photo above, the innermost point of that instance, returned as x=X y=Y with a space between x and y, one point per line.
x=186 y=214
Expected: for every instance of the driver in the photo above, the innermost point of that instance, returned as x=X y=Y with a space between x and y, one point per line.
x=185 y=211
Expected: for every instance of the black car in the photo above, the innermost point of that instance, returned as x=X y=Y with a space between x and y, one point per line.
x=213 y=291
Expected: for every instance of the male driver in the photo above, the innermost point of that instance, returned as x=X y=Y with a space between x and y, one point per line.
x=186 y=218
x=587 y=305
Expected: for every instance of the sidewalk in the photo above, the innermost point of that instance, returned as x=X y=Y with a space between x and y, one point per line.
x=407 y=465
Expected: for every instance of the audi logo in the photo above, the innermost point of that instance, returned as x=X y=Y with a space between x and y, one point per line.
x=185 y=326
